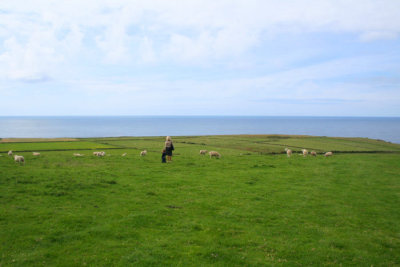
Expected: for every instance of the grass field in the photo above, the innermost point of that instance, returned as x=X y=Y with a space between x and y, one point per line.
x=252 y=207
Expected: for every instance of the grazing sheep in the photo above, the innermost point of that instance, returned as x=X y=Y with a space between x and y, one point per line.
x=313 y=153
x=214 y=154
x=288 y=152
x=123 y=155
x=305 y=152
x=10 y=153
x=78 y=155
x=19 y=159
x=99 y=154
x=328 y=154
x=203 y=152
x=143 y=153
x=36 y=153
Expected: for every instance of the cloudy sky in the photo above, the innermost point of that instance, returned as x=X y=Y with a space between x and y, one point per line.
x=200 y=57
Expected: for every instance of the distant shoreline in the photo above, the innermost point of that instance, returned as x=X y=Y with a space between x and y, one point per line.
x=380 y=128
x=77 y=139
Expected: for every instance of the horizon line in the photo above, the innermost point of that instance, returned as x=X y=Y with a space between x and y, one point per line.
x=300 y=116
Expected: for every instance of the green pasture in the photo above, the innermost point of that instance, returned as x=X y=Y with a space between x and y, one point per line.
x=252 y=207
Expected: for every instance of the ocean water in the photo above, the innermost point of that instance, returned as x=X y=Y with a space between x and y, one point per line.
x=387 y=129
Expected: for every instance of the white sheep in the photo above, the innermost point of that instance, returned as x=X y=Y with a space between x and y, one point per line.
x=78 y=155
x=214 y=154
x=288 y=152
x=313 y=153
x=36 y=153
x=19 y=159
x=10 y=153
x=99 y=154
x=143 y=153
x=305 y=152
x=328 y=154
x=123 y=155
x=203 y=152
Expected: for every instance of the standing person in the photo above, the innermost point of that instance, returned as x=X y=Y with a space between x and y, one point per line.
x=168 y=148
x=163 y=156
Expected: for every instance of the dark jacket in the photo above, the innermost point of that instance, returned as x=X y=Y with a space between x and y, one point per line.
x=169 y=147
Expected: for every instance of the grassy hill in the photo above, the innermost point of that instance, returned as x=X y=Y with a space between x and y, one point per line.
x=252 y=207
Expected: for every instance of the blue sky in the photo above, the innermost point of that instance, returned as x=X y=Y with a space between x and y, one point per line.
x=200 y=57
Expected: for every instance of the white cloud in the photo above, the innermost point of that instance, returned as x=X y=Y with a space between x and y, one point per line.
x=29 y=61
x=191 y=30
x=146 y=50
x=85 y=40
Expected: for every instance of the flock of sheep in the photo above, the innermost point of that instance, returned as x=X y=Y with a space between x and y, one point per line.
x=288 y=153
x=305 y=153
x=21 y=159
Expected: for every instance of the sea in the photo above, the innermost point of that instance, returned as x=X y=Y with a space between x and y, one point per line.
x=383 y=128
